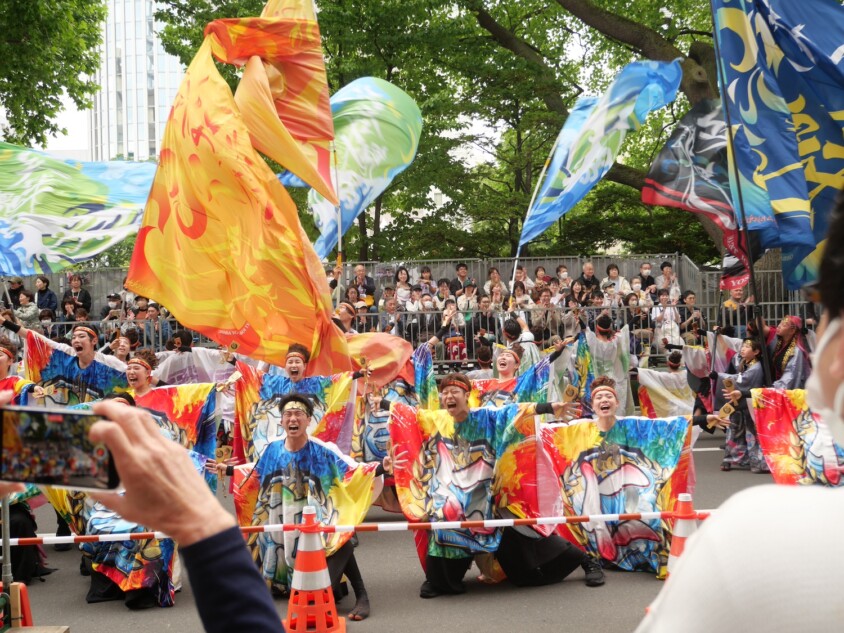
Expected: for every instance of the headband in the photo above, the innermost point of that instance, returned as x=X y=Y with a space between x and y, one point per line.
x=797 y=322
x=603 y=329
x=139 y=361
x=297 y=355
x=295 y=405
x=512 y=353
x=604 y=388
x=454 y=383
x=7 y=353
x=87 y=330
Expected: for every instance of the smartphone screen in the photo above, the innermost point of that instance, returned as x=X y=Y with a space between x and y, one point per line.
x=51 y=447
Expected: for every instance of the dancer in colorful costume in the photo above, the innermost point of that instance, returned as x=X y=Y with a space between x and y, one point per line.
x=789 y=355
x=296 y=472
x=20 y=387
x=445 y=464
x=618 y=465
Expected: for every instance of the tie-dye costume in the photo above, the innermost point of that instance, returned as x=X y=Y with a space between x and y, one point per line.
x=530 y=386
x=282 y=483
x=258 y=420
x=631 y=468
x=798 y=447
x=54 y=365
x=20 y=387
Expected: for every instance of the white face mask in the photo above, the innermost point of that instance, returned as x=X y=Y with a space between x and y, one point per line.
x=832 y=416
x=112 y=304
x=564 y=275
x=45 y=321
x=428 y=304
x=636 y=287
x=646 y=272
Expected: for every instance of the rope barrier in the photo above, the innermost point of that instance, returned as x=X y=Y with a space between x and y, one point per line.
x=397 y=526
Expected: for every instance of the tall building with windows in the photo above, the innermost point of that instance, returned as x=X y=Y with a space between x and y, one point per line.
x=138 y=82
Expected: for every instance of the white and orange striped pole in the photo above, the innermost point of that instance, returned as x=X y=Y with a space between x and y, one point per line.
x=685 y=524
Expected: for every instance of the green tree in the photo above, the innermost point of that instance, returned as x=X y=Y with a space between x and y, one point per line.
x=48 y=48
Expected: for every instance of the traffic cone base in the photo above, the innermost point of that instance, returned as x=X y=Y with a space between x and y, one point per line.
x=685 y=524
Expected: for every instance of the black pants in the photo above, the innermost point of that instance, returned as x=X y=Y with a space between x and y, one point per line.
x=533 y=562
x=446 y=574
x=24 y=558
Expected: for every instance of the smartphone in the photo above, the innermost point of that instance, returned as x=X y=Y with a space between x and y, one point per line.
x=51 y=447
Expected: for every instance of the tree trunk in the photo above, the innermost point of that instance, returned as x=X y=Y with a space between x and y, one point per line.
x=376 y=226
x=363 y=250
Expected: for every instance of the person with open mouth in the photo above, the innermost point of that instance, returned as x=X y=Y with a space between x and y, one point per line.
x=446 y=466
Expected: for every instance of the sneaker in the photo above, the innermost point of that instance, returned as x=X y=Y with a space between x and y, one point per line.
x=594 y=573
x=427 y=590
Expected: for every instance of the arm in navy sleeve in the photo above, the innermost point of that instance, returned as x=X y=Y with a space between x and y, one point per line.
x=229 y=592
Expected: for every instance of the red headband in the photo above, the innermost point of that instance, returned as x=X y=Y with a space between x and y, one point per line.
x=512 y=352
x=139 y=361
x=604 y=388
x=297 y=355
x=7 y=353
x=455 y=383
x=87 y=330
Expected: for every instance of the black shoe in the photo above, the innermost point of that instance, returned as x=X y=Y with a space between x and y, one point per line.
x=279 y=592
x=63 y=547
x=594 y=573
x=427 y=590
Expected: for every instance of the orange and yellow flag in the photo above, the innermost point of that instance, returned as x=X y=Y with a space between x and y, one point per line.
x=221 y=244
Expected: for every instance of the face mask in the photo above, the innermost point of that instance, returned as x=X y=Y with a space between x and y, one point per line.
x=112 y=304
x=646 y=272
x=428 y=304
x=636 y=287
x=564 y=275
x=833 y=417
x=45 y=321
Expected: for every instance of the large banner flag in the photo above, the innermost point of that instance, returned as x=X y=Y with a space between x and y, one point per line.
x=55 y=213
x=664 y=394
x=221 y=243
x=691 y=172
x=781 y=73
x=592 y=136
x=376 y=133
x=798 y=447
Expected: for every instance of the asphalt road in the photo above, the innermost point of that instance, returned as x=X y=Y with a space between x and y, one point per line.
x=392 y=574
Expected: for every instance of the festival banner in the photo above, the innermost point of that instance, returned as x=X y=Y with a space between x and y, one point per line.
x=258 y=419
x=56 y=213
x=54 y=367
x=340 y=489
x=779 y=67
x=377 y=128
x=592 y=136
x=628 y=469
x=798 y=447
x=248 y=276
x=691 y=172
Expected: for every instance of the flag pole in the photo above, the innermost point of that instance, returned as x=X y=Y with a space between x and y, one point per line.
x=757 y=309
x=532 y=200
x=337 y=295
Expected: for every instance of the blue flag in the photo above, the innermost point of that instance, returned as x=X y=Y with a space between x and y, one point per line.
x=784 y=88
x=592 y=136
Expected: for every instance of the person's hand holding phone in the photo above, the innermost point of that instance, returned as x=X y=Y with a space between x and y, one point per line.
x=163 y=490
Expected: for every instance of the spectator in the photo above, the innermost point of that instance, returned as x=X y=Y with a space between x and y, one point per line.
x=352 y=295
x=622 y=287
x=443 y=294
x=139 y=311
x=588 y=279
x=454 y=340
x=484 y=329
x=363 y=320
x=27 y=312
x=579 y=292
x=365 y=286
x=539 y=274
x=554 y=287
x=6 y=314
x=666 y=319
x=388 y=293
x=458 y=284
x=498 y=298
x=522 y=301
x=648 y=282
x=68 y=316
x=495 y=282
x=641 y=327
x=402 y=281
x=563 y=276
x=390 y=320
x=692 y=321
x=573 y=320
x=637 y=287
x=735 y=314
x=467 y=303
x=521 y=276
x=411 y=318
x=126 y=295
x=429 y=318
x=426 y=281
x=80 y=296
x=545 y=317
x=113 y=310
x=157 y=331
x=45 y=298
x=596 y=308
x=668 y=280
x=47 y=319
x=612 y=298
x=13 y=292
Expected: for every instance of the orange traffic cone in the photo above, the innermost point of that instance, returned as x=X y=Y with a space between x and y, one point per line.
x=685 y=524
x=311 y=606
x=21 y=609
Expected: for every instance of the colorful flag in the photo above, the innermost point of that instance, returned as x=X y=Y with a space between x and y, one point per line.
x=628 y=469
x=377 y=128
x=592 y=136
x=531 y=386
x=55 y=213
x=583 y=373
x=201 y=364
x=386 y=356
x=340 y=489
x=54 y=367
x=779 y=67
x=691 y=172
x=248 y=276
x=798 y=447
x=665 y=394
x=258 y=420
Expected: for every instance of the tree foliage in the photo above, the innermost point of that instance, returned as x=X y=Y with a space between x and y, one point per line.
x=47 y=48
x=495 y=81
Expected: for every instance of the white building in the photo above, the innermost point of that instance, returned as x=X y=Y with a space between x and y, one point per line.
x=138 y=82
